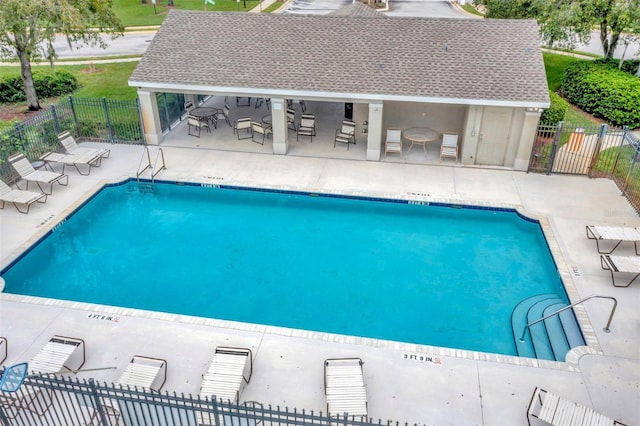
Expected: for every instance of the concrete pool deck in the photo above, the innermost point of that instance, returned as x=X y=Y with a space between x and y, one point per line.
x=454 y=387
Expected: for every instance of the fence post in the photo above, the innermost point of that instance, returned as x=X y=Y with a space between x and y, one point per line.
x=75 y=117
x=4 y=421
x=106 y=113
x=96 y=402
x=596 y=154
x=54 y=114
x=554 y=146
x=216 y=413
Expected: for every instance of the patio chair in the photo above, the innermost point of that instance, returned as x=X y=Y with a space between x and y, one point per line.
x=344 y=387
x=346 y=134
x=195 y=123
x=243 y=124
x=621 y=264
x=230 y=370
x=266 y=101
x=614 y=234
x=4 y=350
x=40 y=177
x=291 y=120
x=307 y=126
x=303 y=105
x=449 y=148
x=71 y=147
x=144 y=372
x=20 y=197
x=224 y=114
x=78 y=161
x=260 y=131
x=558 y=411
x=393 y=143
x=240 y=102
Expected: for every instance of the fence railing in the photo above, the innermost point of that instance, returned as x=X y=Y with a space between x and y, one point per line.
x=100 y=120
x=56 y=400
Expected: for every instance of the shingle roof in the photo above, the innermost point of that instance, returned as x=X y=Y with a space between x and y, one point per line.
x=423 y=59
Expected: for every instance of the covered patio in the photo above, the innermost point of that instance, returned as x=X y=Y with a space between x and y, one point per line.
x=483 y=80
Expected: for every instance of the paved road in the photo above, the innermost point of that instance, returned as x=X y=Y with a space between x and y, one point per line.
x=135 y=43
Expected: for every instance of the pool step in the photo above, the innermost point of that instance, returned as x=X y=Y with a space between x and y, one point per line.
x=550 y=339
x=146 y=187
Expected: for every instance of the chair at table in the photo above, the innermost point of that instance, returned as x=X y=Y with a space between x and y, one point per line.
x=346 y=134
x=260 y=131
x=307 y=126
x=194 y=122
x=291 y=120
x=393 y=143
x=239 y=101
x=243 y=124
x=224 y=114
x=449 y=146
x=266 y=101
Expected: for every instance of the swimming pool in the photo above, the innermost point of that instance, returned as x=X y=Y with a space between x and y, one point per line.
x=433 y=275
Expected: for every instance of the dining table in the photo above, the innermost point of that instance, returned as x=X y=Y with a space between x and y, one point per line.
x=204 y=113
x=420 y=136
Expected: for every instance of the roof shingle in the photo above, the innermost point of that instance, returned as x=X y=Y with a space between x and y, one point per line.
x=447 y=60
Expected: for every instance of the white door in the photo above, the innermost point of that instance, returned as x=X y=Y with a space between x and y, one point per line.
x=494 y=136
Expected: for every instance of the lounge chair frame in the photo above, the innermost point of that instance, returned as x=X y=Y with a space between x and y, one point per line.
x=20 y=197
x=613 y=233
x=70 y=146
x=40 y=177
x=89 y=160
x=557 y=411
x=622 y=264
x=230 y=370
x=344 y=387
x=145 y=372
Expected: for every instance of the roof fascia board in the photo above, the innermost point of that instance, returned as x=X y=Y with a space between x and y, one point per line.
x=329 y=96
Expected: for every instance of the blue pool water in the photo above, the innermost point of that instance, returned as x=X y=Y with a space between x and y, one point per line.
x=431 y=275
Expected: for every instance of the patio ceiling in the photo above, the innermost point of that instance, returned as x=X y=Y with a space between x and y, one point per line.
x=355 y=58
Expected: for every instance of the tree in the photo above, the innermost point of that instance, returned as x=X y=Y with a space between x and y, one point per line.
x=569 y=21
x=29 y=28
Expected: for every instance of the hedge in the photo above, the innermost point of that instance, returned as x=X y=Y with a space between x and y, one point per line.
x=603 y=91
x=556 y=111
x=47 y=84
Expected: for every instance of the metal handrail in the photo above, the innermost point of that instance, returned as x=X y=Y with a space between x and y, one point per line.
x=606 y=328
x=160 y=154
x=146 y=151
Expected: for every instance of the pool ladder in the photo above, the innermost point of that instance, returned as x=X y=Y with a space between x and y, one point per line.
x=146 y=165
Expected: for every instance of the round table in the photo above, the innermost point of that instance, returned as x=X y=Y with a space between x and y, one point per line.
x=204 y=112
x=420 y=136
x=266 y=119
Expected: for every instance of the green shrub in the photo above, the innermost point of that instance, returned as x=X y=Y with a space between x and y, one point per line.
x=47 y=85
x=603 y=91
x=556 y=110
x=630 y=66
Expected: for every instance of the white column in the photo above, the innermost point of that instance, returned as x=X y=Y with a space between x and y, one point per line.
x=150 y=117
x=374 y=137
x=279 y=125
x=527 y=136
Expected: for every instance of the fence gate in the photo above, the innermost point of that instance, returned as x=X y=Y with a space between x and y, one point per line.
x=569 y=149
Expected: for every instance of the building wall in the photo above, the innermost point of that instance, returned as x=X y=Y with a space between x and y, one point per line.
x=439 y=117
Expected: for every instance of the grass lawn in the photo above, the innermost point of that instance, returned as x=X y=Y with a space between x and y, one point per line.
x=135 y=13
x=555 y=64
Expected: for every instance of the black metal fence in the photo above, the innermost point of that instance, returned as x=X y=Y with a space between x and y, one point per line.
x=52 y=400
x=597 y=151
x=100 y=120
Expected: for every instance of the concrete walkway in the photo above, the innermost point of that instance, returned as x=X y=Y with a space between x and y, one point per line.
x=461 y=388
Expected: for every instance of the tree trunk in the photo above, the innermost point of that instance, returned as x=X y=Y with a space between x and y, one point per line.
x=170 y=3
x=27 y=79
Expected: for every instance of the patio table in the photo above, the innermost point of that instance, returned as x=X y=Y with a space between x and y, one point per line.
x=420 y=136
x=204 y=113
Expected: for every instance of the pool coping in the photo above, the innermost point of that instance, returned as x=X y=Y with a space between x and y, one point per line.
x=567 y=276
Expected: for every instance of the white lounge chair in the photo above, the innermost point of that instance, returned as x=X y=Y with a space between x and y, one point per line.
x=79 y=161
x=615 y=234
x=393 y=143
x=20 y=197
x=557 y=411
x=344 y=387
x=144 y=372
x=230 y=370
x=71 y=147
x=622 y=264
x=29 y=174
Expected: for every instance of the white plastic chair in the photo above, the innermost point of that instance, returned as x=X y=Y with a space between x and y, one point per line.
x=449 y=146
x=393 y=143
